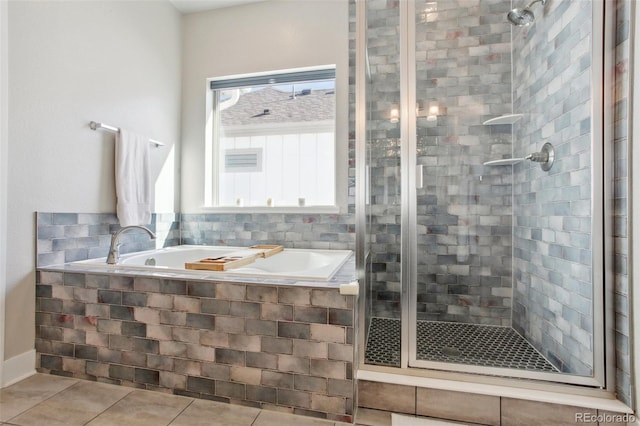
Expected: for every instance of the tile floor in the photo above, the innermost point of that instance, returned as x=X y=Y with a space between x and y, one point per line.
x=52 y=400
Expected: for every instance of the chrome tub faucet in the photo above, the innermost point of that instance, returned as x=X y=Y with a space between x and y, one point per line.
x=114 y=249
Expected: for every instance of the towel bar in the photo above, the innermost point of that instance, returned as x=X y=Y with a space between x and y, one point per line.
x=94 y=125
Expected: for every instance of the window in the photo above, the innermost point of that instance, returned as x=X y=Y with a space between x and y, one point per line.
x=273 y=139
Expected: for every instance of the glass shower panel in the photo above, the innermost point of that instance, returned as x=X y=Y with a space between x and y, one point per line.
x=382 y=263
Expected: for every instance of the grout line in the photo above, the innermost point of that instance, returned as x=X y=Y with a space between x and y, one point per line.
x=257 y=415
x=77 y=381
x=182 y=411
x=256 y=419
x=109 y=407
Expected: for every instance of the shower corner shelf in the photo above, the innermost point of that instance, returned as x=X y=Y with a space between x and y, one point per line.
x=503 y=119
x=503 y=162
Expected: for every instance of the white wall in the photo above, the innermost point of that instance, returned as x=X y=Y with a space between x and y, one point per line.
x=274 y=35
x=3 y=174
x=634 y=207
x=71 y=62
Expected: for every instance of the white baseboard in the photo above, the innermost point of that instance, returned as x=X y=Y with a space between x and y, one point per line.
x=18 y=368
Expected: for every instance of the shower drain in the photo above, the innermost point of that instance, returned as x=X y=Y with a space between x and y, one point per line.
x=460 y=343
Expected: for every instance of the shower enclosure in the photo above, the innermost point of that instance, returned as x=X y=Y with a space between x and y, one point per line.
x=482 y=251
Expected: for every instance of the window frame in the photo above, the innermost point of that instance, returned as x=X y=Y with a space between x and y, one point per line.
x=212 y=142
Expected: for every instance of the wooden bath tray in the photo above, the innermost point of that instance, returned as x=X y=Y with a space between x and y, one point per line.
x=235 y=259
x=267 y=250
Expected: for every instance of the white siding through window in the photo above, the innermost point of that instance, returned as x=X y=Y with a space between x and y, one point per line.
x=294 y=166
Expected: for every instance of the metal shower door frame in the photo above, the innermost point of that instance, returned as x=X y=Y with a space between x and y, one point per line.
x=601 y=192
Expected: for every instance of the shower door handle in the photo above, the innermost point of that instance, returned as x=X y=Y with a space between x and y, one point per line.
x=419 y=177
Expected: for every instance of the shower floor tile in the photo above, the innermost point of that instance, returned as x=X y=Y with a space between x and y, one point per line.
x=471 y=344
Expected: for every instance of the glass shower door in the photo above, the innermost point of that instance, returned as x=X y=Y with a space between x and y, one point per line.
x=500 y=257
x=464 y=210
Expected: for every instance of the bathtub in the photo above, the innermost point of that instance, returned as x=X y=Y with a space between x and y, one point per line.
x=297 y=264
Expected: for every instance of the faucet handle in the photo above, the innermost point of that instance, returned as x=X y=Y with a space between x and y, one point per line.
x=538 y=157
x=545 y=157
x=115 y=242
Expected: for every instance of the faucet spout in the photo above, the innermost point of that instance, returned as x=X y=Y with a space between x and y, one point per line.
x=114 y=248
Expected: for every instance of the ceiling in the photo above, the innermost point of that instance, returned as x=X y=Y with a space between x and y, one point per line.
x=192 y=6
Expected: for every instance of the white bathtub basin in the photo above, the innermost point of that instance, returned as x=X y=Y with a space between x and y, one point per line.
x=299 y=264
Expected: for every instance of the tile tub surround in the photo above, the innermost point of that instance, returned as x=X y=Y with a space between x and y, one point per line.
x=292 y=230
x=67 y=237
x=262 y=345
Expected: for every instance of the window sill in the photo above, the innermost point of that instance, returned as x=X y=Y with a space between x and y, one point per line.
x=276 y=209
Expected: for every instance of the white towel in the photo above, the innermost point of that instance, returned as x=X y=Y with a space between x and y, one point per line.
x=133 y=180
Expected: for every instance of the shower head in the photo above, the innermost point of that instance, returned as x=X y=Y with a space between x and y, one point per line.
x=522 y=17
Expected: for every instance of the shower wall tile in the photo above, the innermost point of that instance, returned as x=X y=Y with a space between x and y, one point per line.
x=68 y=237
x=552 y=300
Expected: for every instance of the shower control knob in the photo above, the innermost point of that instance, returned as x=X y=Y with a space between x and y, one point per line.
x=545 y=157
x=538 y=157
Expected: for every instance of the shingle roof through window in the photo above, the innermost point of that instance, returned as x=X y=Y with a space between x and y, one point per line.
x=268 y=106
